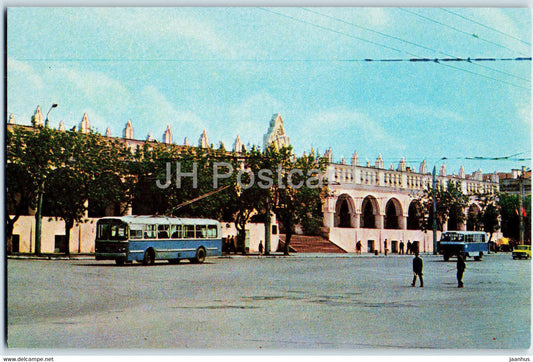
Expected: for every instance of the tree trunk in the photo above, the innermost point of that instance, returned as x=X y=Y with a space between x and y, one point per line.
x=69 y=223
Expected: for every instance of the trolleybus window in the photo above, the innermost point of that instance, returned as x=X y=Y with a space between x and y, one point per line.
x=163 y=231
x=150 y=232
x=201 y=231
x=211 y=231
x=175 y=231
x=136 y=234
x=188 y=231
x=112 y=231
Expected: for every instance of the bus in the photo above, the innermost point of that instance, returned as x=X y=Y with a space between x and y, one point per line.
x=146 y=239
x=467 y=243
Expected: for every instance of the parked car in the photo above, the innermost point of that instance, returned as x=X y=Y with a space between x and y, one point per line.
x=522 y=251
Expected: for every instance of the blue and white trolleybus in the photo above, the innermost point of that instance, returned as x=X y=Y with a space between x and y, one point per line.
x=149 y=238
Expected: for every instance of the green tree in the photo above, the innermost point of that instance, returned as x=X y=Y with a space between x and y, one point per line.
x=38 y=152
x=451 y=202
x=89 y=167
x=510 y=219
x=298 y=188
x=487 y=219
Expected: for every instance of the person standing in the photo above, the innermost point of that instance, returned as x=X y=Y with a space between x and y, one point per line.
x=358 y=247
x=386 y=246
x=401 y=247
x=260 y=247
x=408 y=246
x=417 y=270
x=461 y=266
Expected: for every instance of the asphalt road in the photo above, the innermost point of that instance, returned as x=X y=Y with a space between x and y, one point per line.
x=349 y=303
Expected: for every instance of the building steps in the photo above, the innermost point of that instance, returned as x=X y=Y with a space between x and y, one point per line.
x=310 y=244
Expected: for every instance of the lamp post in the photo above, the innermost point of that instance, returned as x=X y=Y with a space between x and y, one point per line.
x=40 y=193
x=46 y=121
x=435 y=207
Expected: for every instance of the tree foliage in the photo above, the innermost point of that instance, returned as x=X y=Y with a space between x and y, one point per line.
x=451 y=203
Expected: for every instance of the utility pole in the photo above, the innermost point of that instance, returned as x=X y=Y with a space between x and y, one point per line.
x=268 y=227
x=520 y=203
x=40 y=195
x=434 y=211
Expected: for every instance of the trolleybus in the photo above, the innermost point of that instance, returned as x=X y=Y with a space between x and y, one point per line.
x=467 y=243
x=149 y=238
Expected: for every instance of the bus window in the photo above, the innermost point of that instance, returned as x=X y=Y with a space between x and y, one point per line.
x=188 y=231
x=150 y=232
x=175 y=231
x=162 y=231
x=136 y=234
x=211 y=231
x=201 y=231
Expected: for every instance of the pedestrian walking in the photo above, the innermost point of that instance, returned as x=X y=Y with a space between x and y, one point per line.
x=401 y=247
x=417 y=270
x=260 y=247
x=358 y=247
x=461 y=266
x=408 y=246
x=386 y=246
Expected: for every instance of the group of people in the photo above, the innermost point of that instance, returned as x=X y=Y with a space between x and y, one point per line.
x=418 y=265
x=412 y=248
x=229 y=244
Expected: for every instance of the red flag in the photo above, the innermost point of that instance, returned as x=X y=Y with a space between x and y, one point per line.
x=524 y=213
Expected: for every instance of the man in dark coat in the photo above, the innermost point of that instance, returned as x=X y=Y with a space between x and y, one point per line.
x=417 y=270
x=460 y=270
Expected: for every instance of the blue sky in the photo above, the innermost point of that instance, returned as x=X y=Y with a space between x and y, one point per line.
x=227 y=70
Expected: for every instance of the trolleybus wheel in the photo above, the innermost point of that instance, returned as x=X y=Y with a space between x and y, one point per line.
x=119 y=262
x=200 y=256
x=446 y=257
x=149 y=257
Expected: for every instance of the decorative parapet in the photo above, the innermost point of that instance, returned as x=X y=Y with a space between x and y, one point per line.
x=350 y=176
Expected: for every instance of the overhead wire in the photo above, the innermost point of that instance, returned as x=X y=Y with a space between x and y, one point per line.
x=385 y=46
x=456 y=29
x=406 y=41
x=485 y=26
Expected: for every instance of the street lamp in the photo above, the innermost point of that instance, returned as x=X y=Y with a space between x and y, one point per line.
x=40 y=193
x=46 y=121
x=435 y=207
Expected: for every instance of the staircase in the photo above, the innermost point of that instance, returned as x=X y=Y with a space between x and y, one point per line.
x=309 y=244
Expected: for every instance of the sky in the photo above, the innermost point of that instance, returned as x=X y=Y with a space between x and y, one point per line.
x=229 y=69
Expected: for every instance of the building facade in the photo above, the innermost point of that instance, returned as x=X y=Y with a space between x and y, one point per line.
x=368 y=204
